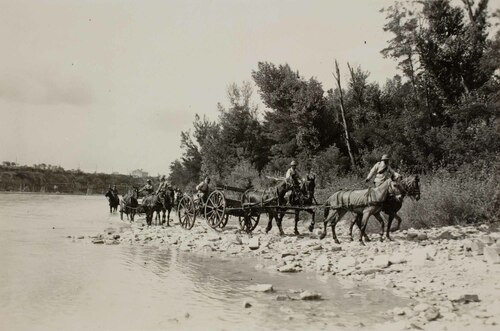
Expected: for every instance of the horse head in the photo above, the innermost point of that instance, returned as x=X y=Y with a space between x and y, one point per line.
x=411 y=186
x=308 y=187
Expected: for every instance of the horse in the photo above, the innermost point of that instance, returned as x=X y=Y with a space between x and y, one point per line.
x=113 y=199
x=364 y=203
x=168 y=201
x=411 y=188
x=277 y=195
x=160 y=203
x=129 y=203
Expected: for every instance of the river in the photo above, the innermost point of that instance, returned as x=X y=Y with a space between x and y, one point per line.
x=51 y=282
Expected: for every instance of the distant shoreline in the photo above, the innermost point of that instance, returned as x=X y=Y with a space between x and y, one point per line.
x=47 y=193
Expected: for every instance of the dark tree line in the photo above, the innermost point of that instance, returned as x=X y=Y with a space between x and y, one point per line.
x=441 y=112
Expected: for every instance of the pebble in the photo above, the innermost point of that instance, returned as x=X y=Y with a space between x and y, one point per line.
x=261 y=288
x=246 y=304
x=254 y=243
x=431 y=314
x=306 y=295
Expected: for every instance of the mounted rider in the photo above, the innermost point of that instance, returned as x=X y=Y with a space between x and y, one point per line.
x=381 y=171
x=203 y=189
x=292 y=177
x=114 y=190
x=148 y=188
x=164 y=186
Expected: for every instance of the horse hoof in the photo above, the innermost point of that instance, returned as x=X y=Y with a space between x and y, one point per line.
x=337 y=241
x=352 y=239
x=362 y=243
x=297 y=233
x=322 y=236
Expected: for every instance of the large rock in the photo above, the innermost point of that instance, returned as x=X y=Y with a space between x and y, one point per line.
x=323 y=263
x=422 y=236
x=486 y=239
x=306 y=295
x=397 y=258
x=381 y=261
x=432 y=314
x=346 y=263
x=491 y=255
x=261 y=288
x=477 y=247
x=254 y=243
x=462 y=297
x=288 y=268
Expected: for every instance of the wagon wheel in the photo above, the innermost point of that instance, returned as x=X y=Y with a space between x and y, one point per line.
x=250 y=221
x=223 y=224
x=186 y=212
x=215 y=209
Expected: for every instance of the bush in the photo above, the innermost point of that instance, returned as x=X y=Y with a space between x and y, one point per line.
x=467 y=195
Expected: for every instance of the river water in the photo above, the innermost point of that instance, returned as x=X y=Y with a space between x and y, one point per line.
x=51 y=282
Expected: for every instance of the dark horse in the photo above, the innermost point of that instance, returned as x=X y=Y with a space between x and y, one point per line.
x=410 y=187
x=364 y=203
x=113 y=199
x=129 y=203
x=159 y=203
x=277 y=196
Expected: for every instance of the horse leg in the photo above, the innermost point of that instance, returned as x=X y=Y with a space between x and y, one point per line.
x=381 y=220
x=168 y=216
x=340 y=214
x=353 y=222
x=398 y=219
x=364 y=222
x=329 y=215
x=269 y=226
x=295 y=230
x=389 y=223
x=279 y=220
x=311 y=226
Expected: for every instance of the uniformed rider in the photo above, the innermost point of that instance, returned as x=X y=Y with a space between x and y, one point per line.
x=203 y=189
x=163 y=187
x=114 y=190
x=292 y=177
x=148 y=188
x=381 y=171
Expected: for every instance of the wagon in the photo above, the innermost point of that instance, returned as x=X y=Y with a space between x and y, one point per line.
x=227 y=201
x=223 y=202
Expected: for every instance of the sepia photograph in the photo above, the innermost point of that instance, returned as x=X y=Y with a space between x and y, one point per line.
x=260 y=165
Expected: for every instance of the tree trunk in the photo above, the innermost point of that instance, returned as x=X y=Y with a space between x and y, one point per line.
x=342 y=112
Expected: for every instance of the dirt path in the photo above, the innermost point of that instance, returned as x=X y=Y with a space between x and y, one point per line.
x=452 y=274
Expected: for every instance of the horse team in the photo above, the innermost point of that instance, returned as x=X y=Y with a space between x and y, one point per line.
x=387 y=198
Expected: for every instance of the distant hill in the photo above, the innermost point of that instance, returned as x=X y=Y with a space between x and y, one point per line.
x=55 y=179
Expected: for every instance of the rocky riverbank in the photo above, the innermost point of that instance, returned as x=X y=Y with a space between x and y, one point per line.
x=451 y=274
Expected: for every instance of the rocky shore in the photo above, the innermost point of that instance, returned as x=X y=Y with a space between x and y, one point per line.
x=451 y=274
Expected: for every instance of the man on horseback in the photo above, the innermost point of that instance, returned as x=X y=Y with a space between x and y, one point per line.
x=114 y=190
x=381 y=171
x=163 y=187
x=203 y=189
x=292 y=177
x=148 y=188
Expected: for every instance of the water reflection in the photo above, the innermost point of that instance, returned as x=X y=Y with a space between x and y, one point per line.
x=50 y=282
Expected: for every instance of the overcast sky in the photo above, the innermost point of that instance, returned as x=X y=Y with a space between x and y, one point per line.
x=111 y=84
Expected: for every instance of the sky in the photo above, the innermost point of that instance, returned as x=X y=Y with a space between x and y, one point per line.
x=109 y=85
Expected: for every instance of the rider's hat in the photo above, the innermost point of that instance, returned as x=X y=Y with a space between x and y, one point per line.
x=163 y=177
x=149 y=181
x=293 y=163
x=385 y=157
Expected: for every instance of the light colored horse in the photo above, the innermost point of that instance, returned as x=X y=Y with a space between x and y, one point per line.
x=411 y=188
x=364 y=203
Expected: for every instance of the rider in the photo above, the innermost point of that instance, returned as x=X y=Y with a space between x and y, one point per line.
x=292 y=177
x=203 y=189
x=114 y=190
x=381 y=170
x=148 y=188
x=163 y=187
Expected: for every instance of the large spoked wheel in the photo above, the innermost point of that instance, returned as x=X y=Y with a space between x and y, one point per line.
x=223 y=224
x=186 y=212
x=249 y=222
x=215 y=209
